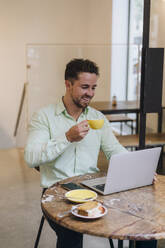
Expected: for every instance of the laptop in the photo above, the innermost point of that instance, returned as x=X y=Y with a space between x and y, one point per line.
x=127 y=171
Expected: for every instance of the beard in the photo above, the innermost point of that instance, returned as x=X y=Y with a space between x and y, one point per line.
x=83 y=102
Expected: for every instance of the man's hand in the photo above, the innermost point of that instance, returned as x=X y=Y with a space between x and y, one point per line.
x=155 y=178
x=78 y=132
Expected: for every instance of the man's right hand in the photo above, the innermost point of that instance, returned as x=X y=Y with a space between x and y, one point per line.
x=78 y=132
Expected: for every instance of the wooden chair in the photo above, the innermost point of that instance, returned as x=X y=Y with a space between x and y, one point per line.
x=121 y=118
x=41 y=222
x=39 y=231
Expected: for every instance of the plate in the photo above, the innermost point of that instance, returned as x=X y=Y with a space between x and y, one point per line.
x=74 y=212
x=81 y=195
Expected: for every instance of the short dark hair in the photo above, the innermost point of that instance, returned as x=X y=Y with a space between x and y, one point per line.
x=76 y=66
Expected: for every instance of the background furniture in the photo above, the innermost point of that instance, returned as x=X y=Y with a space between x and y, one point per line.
x=151 y=77
x=154 y=139
x=122 y=119
x=125 y=107
x=122 y=107
x=151 y=140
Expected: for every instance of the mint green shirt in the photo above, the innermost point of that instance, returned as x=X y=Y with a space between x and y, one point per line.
x=48 y=147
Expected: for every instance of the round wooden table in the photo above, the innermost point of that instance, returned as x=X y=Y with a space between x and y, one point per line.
x=137 y=214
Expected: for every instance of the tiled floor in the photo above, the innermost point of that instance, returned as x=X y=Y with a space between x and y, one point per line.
x=20 y=206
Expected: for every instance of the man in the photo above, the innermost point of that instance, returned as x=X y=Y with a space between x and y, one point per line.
x=61 y=142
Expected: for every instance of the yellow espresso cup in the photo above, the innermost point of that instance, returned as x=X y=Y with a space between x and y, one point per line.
x=96 y=124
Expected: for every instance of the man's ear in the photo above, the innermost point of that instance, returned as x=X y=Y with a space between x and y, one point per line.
x=68 y=84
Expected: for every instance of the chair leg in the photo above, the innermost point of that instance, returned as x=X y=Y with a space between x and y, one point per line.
x=39 y=231
x=111 y=243
x=120 y=243
x=121 y=128
x=131 y=244
x=131 y=127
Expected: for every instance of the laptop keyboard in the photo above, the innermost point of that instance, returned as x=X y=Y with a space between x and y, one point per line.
x=100 y=186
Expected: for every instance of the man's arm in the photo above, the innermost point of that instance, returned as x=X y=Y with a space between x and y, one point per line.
x=41 y=149
x=109 y=143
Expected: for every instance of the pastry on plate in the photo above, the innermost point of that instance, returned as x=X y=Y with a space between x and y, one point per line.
x=91 y=209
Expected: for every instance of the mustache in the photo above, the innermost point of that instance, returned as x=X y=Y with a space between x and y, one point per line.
x=88 y=97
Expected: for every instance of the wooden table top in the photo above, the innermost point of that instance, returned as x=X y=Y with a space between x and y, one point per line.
x=121 y=107
x=137 y=214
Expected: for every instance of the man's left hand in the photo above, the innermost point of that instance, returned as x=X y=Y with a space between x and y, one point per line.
x=155 y=178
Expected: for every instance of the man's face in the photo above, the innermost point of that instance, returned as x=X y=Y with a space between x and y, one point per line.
x=83 y=89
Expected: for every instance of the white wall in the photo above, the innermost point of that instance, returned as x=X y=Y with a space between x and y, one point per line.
x=42 y=22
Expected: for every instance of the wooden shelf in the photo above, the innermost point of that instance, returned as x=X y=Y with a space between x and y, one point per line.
x=154 y=139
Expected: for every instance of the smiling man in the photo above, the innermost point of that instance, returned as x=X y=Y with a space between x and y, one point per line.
x=61 y=142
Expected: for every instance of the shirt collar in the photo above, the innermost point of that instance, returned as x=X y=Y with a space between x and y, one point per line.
x=59 y=108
